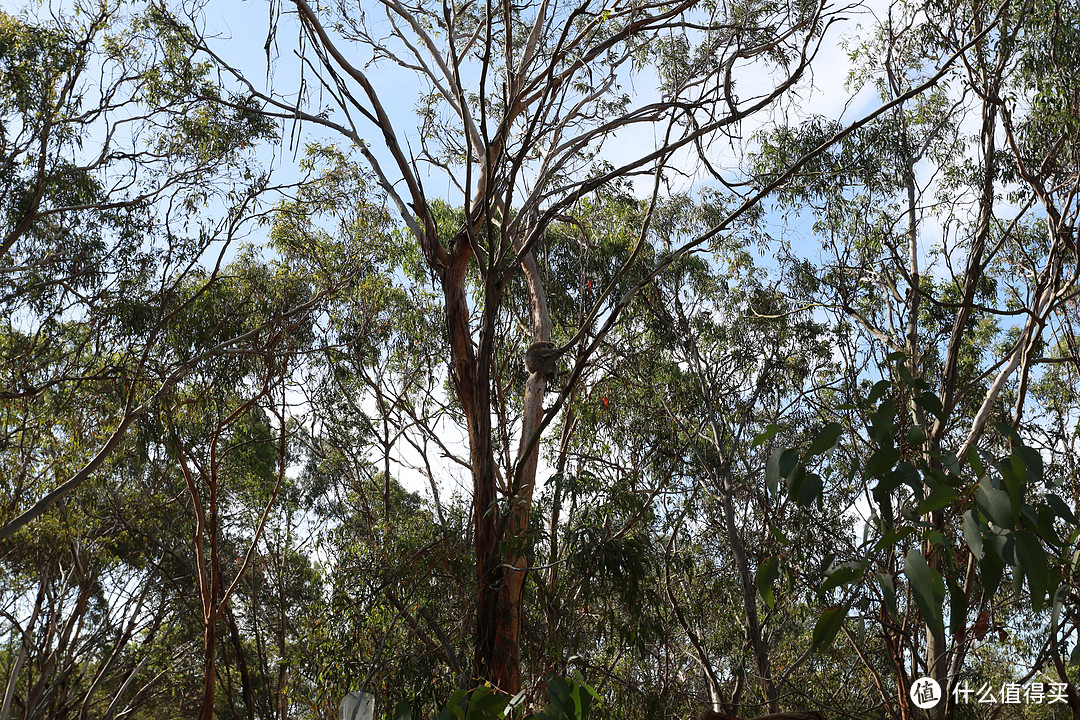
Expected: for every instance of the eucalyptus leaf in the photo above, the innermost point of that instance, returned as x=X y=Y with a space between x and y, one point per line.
x=828 y=625
x=825 y=440
x=973 y=533
x=929 y=590
x=1031 y=558
x=996 y=505
x=767 y=574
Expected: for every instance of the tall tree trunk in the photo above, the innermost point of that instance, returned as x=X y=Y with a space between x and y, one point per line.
x=500 y=558
x=206 y=712
x=516 y=522
x=758 y=643
x=469 y=371
x=241 y=663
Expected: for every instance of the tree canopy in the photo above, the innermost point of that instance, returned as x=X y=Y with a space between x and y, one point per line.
x=804 y=435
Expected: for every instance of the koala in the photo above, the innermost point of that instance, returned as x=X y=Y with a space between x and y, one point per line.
x=543 y=357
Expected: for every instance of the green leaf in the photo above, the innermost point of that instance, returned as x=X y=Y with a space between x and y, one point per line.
x=941 y=496
x=1032 y=462
x=882 y=460
x=909 y=474
x=928 y=588
x=973 y=533
x=765 y=435
x=587 y=696
x=996 y=505
x=892 y=537
x=403 y=711
x=558 y=689
x=455 y=707
x=1031 y=557
x=805 y=487
x=1001 y=540
x=486 y=704
x=781 y=463
x=904 y=372
x=991 y=568
x=1060 y=508
x=936 y=537
x=929 y=402
x=828 y=625
x=888 y=592
x=881 y=387
x=949 y=461
x=957 y=608
x=1060 y=596
x=825 y=440
x=916 y=435
x=1045 y=518
x=767 y=574
x=1014 y=476
x=841 y=575
x=975 y=461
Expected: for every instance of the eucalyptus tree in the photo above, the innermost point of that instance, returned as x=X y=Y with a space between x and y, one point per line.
x=126 y=184
x=113 y=144
x=518 y=112
x=709 y=368
x=395 y=615
x=948 y=251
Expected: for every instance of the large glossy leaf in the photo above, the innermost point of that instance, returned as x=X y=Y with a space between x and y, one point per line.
x=929 y=401
x=996 y=505
x=888 y=592
x=828 y=625
x=1060 y=508
x=767 y=574
x=973 y=533
x=765 y=435
x=804 y=486
x=1031 y=559
x=1032 y=462
x=957 y=608
x=975 y=461
x=880 y=462
x=781 y=463
x=991 y=568
x=940 y=497
x=928 y=588
x=825 y=440
x=841 y=575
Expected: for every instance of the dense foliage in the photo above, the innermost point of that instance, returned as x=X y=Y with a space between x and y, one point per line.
x=266 y=434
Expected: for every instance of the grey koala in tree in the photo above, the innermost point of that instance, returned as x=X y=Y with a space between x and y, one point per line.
x=543 y=357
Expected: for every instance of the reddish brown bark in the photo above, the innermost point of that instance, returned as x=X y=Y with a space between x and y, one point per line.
x=469 y=373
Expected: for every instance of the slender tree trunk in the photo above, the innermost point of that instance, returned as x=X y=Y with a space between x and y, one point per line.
x=206 y=712
x=758 y=644
x=241 y=663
